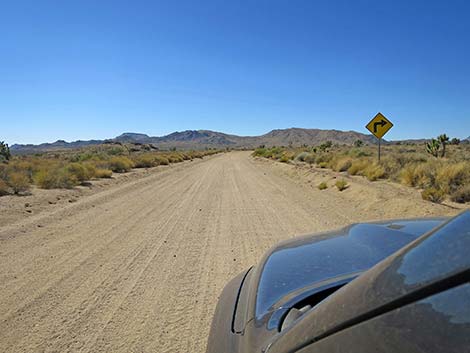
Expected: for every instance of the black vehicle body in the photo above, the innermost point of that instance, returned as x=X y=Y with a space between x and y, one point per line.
x=395 y=286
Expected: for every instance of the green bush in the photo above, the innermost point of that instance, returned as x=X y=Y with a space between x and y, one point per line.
x=322 y=186
x=341 y=185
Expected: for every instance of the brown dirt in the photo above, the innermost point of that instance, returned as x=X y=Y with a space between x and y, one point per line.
x=137 y=266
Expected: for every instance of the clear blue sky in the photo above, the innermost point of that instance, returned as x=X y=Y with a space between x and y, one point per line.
x=94 y=69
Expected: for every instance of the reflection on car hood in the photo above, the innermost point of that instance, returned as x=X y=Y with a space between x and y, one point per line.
x=300 y=262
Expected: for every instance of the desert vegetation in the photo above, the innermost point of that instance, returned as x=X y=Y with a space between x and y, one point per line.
x=440 y=168
x=67 y=169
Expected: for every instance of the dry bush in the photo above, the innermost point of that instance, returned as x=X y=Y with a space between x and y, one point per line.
x=310 y=159
x=145 y=161
x=103 y=173
x=79 y=171
x=342 y=164
x=285 y=157
x=175 y=158
x=161 y=160
x=421 y=175
x=322 y=186
x=433 y=194
x=4 y=188
x=374 y=172
x=58 y=178
x=341 y=185
x=323 y=158
x=452 y=177
x=19 y=182
x=358 y=166
x=461 y=195
x=120 y=164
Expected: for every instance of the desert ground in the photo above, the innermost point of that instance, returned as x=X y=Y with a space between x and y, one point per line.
x=136 y=264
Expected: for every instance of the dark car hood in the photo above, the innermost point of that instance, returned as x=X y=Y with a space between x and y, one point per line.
x=294 y=265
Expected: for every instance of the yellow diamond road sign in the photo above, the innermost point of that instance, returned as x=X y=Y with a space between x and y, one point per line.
x=379 y=125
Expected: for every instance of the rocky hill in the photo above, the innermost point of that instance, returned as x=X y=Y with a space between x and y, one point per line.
x=200 y=139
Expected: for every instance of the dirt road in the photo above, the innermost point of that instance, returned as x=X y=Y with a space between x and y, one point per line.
x=138 y=267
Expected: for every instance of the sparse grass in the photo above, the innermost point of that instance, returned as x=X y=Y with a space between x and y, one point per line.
x=66 y=169
x=341 y=184
x=322 y=186
x=409 y=165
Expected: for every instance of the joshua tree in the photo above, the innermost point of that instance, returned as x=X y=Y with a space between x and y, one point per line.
x=4 y=151
x=443 y=139
x=433 y=147
x=358 y=143
x=455 y=141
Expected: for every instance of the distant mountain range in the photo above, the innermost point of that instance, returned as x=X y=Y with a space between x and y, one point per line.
x=200 y=139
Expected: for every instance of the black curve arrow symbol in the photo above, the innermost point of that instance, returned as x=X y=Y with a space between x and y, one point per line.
x=381 y=123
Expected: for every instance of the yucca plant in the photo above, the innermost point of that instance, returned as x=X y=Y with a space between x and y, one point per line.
x=432 y=147
x=443 y=139
x=4 y=151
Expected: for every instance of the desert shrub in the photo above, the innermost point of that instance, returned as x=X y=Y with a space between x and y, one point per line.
x=145 y=161
x=19 y=182
x=451 y=177
x=103 y=173
x=284 y=158
x=310 y=159
x=433 y=194
x=57 y=178
x=323 y=164
x=323 y=158
x=301 y=156
x=461 y=195
x=79 y=171
x=175 y=158
x=358 y=166
x=90 y=169
x=4 y=188
x=259 y=152
x=374 y=172
x=120 y=164
x=341 y=185
x=342 y=164
x=161 y=160
x=322 y=186
x=421 y=175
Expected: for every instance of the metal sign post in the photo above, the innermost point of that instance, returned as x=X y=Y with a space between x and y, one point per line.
x=379 y=126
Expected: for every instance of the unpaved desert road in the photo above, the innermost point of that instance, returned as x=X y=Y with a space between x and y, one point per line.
x=139 y=267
